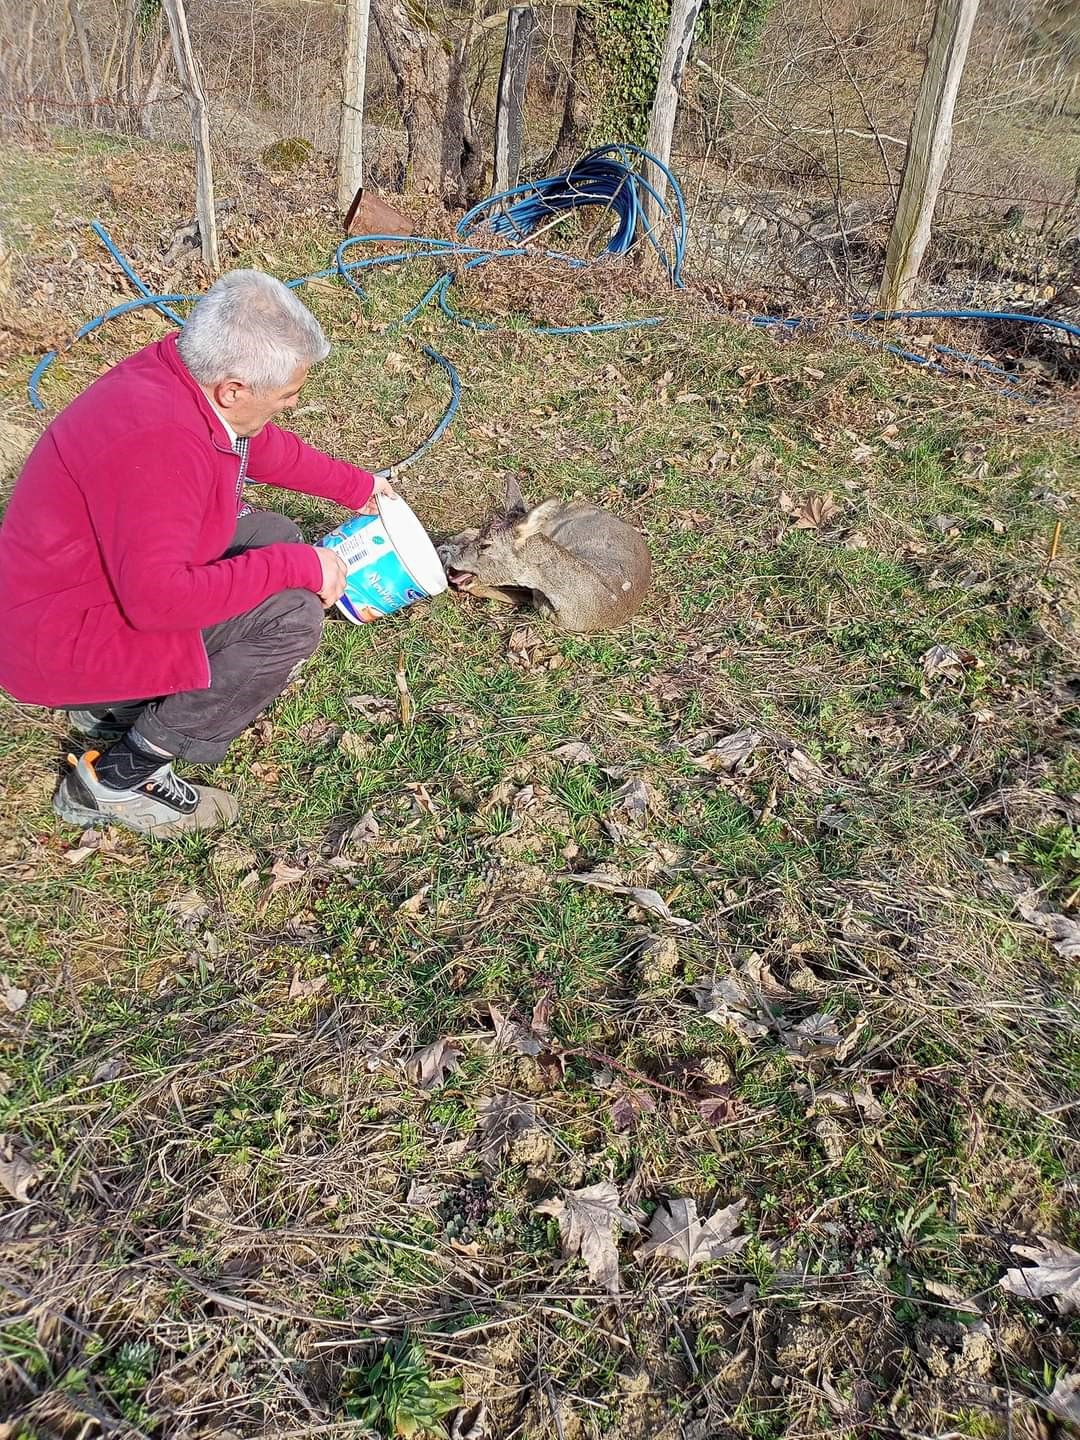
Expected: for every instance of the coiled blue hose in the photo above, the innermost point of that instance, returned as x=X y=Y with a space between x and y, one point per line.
x=608 y=177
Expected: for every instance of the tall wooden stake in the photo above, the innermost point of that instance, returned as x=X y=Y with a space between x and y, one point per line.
x=195 y=96
x=354 y=72
x=510 y=105
x=680 y=36
x=928 y=150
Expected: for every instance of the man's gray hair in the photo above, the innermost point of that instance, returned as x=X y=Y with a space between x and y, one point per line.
x=252 y=328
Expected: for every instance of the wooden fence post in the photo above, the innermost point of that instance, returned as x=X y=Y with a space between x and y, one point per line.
x=195 y=96
x=928 y=150
x=680 y=36
x=510 y=105
x=354 y=72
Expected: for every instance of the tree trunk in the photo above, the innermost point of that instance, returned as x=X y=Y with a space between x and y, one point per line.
x=510 y=102
x=354 y=71
x=153 y=86
x=928 y=150
x=191 y=81
x=443 y=157
x=680 y=36
x=575 y=116
x=90 y=83
x=128 y=81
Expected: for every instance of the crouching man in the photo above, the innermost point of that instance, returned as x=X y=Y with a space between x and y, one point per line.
x=137 y=590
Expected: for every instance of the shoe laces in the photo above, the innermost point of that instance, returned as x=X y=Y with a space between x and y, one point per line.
x=174 y=791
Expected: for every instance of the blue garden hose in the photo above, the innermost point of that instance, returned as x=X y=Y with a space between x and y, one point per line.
x=608 y=177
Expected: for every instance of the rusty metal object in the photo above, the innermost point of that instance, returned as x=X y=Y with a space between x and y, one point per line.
x=369 y=214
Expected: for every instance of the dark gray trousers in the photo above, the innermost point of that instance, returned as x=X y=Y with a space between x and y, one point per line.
x=252 y=659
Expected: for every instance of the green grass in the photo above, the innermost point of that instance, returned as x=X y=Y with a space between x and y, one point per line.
x=209 y=1143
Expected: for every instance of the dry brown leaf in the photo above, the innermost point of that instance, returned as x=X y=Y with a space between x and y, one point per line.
x=503 y=1118
x=188 y=908
x=283 y=875
x=818 y=512
x=365 y=832
x=857 y=1101
x=650 y=900
x=589 y=1222
x=19 y=1176
x=803 y=770
x=12 y=996
x=415 y=904
x=574 y=752
x=628 y=1109
x=731 y=1003
x=731 y=753
x=301 y=989
x=430 y=1066
x=942 y=661
x=377 y=710
x=422 y=802
x=676 y=1233
x=1055 y=1275
x=633 y=800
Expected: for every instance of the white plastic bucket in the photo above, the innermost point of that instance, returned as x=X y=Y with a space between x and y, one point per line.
x=390 y=560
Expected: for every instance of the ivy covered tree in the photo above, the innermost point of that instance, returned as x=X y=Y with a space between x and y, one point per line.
x=630 y=39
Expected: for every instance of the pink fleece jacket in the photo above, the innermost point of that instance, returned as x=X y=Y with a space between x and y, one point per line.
x=110 y=550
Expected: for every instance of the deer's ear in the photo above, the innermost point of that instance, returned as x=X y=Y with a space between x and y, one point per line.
x=515 y=501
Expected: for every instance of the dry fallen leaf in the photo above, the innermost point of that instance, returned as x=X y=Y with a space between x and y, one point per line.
x=430 y=1066
x=948 y=664
x=574 y=752
x=649 y=900
x=633 y=800
x=301 y=989
x=803 y=770
x=731 y=753
x=422 y=802
x=676 y=1233
x=424 y=1195
x=589 y=1222
x=857 y=1101
x=364 y=832
x=817 y=1035
x=188 y=908
x=503 y=1118
x=12 y=996
x=628 y=1109
x=415 y=904
x=730 y=1002
x=377 y=710
x=19 y=1176
x=1054 y=1275
x=283 y=874
x=817 y=512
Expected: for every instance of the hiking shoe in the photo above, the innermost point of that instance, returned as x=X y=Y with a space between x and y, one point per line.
x=105 y=724
x=162 y=806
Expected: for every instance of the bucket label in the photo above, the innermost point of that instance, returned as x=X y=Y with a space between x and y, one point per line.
x=378 y=583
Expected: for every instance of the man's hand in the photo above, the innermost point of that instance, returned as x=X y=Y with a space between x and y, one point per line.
x=334 y=576
x=383 y=486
